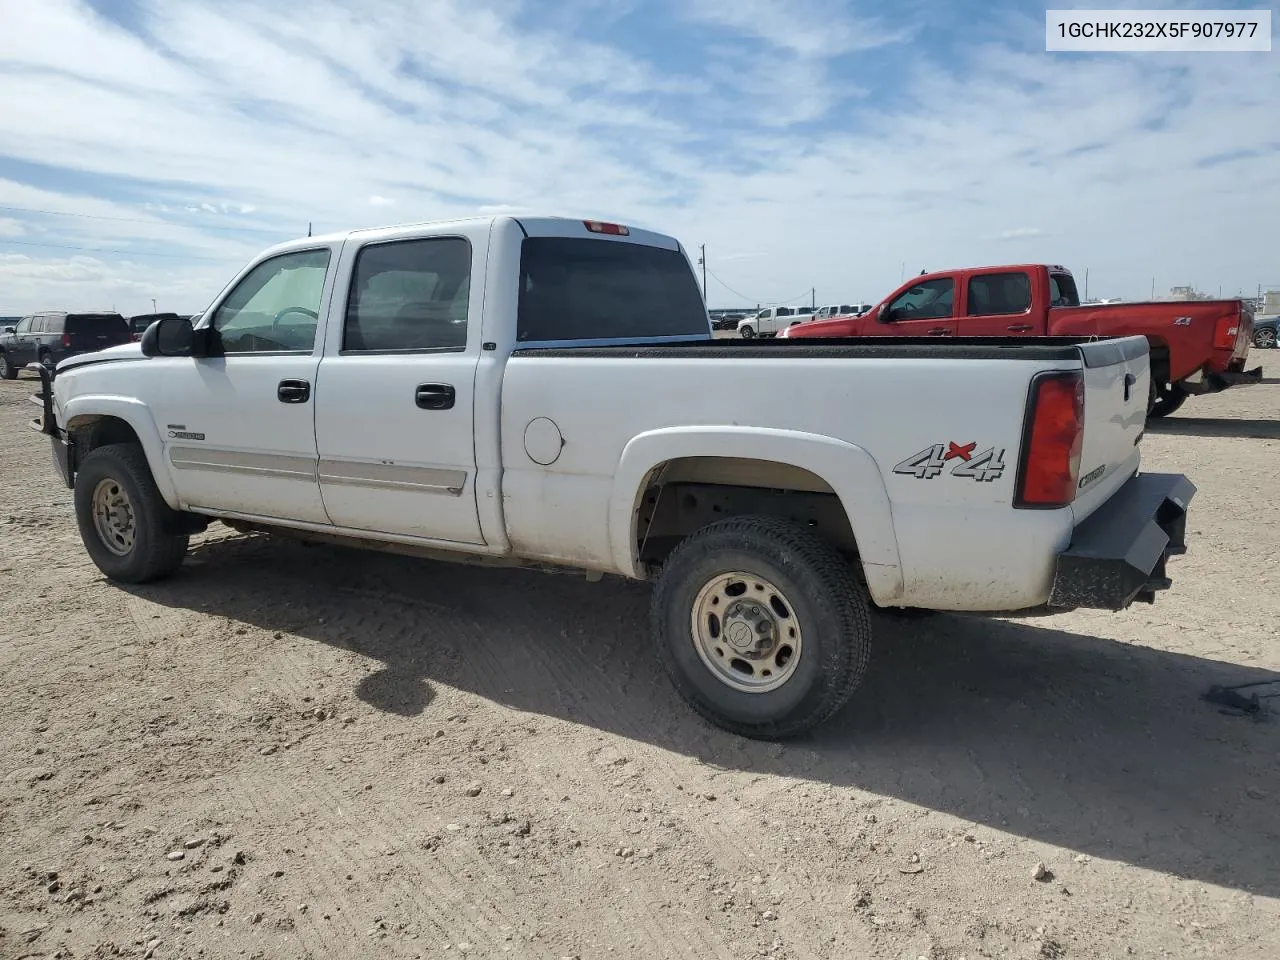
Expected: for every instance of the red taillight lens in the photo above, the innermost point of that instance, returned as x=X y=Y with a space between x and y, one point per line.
x=1050 y=464
x=1225 y=333
x=612 y=229
x=66 y=340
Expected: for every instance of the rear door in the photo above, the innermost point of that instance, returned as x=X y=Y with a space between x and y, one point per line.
x=88 y=332
x=396 y=395
x=997 y=304
x=926 y=309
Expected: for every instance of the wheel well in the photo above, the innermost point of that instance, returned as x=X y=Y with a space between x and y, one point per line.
x=1159 y=361
x=91 y=432
x=685 y=495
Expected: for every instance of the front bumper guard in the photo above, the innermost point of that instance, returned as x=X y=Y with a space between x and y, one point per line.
x=1117 y=556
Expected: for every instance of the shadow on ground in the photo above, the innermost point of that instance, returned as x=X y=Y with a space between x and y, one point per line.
x=1217 y=427
x=1096 y=745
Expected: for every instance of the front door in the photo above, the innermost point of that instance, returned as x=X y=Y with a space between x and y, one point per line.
x=239 y=429
x=998 y=305
x=923 y=310
x=22 y=346
x=394 y=413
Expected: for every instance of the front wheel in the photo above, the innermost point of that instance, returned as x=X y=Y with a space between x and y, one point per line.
x=1166 y=401
x=1265 y=338
x=747 y=333
x=762 y=626
x=7 y=370
x=124 y=522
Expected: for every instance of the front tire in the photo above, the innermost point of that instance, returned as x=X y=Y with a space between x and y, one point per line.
x=124 y=522
x=762 y=626
x=747 y=333
x=1167 y=401
x=1264 y=338
x=7 y=370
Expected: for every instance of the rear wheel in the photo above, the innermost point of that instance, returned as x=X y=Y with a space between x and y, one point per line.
x=1167 y=400
x=46 y=358
x=123 y=520
x=7 y=370
x=762 y=626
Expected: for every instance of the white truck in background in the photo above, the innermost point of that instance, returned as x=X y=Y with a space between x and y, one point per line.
x=768 y=322
x=547 y=391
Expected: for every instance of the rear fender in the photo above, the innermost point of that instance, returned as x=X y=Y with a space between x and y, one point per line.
x=848 y=469
x=138 y=416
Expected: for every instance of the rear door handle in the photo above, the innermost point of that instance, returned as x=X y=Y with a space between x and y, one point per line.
x=434 y=396
x=294 y=391
x=1020 y=328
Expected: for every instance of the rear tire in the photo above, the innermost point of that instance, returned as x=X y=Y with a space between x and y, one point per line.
x=7 y=370
x=46 y=358
x=776 y=667
x=1167 y=401
x=123 y=520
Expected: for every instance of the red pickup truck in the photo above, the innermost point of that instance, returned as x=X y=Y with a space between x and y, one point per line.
x=1197 y=346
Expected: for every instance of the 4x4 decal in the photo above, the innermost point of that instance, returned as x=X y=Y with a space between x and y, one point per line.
x=928 y=463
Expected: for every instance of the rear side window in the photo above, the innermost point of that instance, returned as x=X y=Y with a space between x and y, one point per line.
x=581 y=289
x=409 y=295
x=1062 y=290
x=994 y=294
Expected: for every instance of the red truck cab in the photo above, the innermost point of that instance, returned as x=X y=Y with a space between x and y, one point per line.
x=1197 y=346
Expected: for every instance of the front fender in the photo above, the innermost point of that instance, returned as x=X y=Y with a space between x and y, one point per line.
x=138 y=416
x=848 y=469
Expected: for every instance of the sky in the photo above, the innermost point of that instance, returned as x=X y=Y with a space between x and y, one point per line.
x=150 y=148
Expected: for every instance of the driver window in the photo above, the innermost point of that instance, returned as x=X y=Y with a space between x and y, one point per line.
x=930 y=300
x=276 y=307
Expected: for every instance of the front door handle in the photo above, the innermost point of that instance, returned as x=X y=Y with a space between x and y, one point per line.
x=940 y=332
x=1020 y=328
x=294 y=391
x=434 y=396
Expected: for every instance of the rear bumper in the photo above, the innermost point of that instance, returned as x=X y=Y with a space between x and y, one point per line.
x=1215 y=381
x=1117 y=556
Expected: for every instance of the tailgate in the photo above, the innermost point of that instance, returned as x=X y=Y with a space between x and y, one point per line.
x=1117 y=376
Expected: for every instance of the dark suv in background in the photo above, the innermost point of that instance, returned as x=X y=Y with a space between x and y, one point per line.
x=53 y=335
x=138 y=325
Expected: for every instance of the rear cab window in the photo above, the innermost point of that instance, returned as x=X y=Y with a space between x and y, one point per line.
x=1062 y=290
x=582 y=290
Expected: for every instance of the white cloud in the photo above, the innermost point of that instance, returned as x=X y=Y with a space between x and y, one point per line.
x=11 y=228
x=243 y=114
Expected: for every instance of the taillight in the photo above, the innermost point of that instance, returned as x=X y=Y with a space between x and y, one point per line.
x=1225 y=333
x=612 y=229
x=1050 y=464
x=66 y=340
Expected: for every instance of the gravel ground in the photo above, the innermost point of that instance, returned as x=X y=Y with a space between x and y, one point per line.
x=290 y=752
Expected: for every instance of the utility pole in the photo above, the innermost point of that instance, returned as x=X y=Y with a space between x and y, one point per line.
x=702 y=260
x=813 y=299
x=902 y=274
x=308 y=228
x=153 y=304
x=1153 y=288
x=1086 y=283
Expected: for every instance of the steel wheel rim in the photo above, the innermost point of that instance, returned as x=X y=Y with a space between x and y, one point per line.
x=746 y=632
x=113 y=517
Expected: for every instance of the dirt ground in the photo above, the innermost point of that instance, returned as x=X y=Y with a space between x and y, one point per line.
x=291 y=752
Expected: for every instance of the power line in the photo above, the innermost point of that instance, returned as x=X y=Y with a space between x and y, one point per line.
x=767 y=303
x=127 y=253
x=154 y=222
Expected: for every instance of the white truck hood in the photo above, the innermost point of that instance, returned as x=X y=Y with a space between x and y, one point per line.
x=125 y=351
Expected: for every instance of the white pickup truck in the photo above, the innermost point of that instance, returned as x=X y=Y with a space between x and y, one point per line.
x=768 y=322
x=547 y=392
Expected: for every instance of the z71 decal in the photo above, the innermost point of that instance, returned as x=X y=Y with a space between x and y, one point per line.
x=983 y=467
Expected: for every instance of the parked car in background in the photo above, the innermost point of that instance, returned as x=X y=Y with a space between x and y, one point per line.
x=54 y=335
x=769 y=321
x=1197 y=346
x=1264 y=332
x=726 y=321
x=841 y=310
x=138 y=325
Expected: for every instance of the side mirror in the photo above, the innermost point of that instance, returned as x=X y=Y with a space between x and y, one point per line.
x=8 y=330
x=169 y=337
